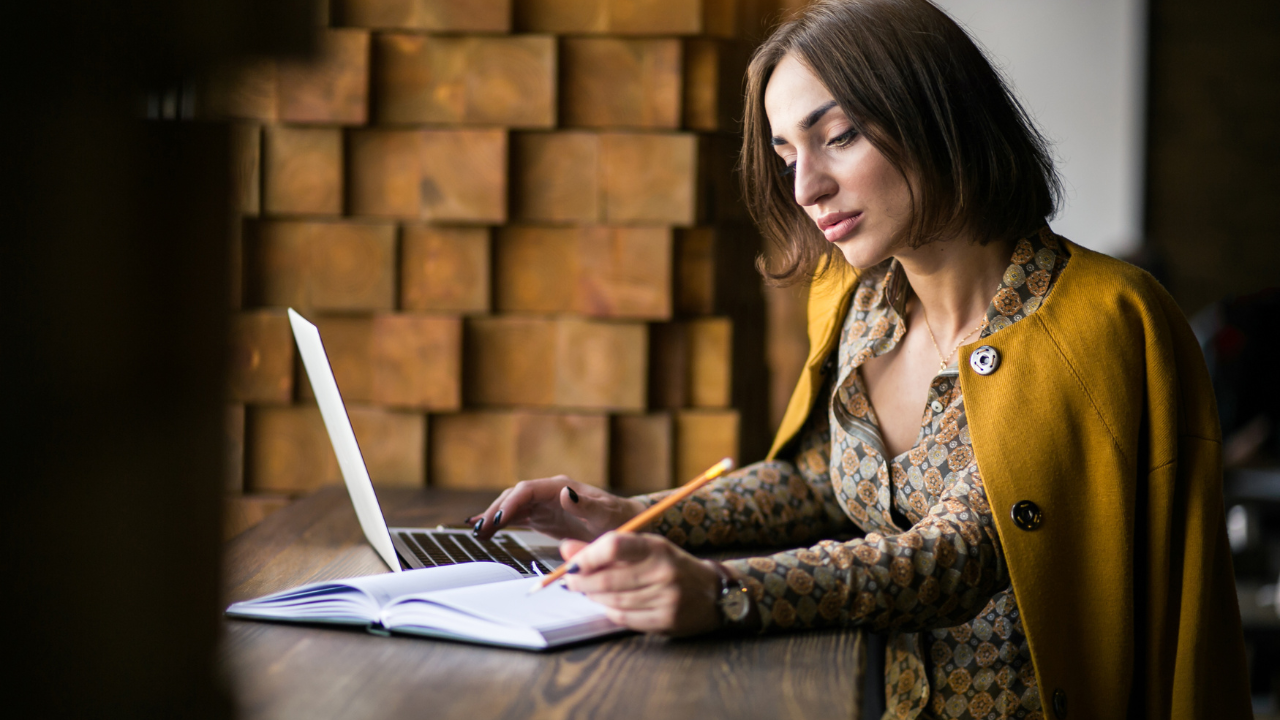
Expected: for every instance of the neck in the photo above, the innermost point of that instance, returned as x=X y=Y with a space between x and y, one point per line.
x=954 y=281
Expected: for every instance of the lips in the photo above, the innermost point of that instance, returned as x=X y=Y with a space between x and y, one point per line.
x=837 y=226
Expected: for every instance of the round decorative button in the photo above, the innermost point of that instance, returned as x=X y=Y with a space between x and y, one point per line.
x=936 y=406
x=1060 y=704
x=1027 y=515
x=984 y=360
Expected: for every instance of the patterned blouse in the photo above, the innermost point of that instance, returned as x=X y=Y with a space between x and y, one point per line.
x=928 y=569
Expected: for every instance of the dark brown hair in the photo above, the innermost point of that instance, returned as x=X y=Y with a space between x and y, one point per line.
x=911 y=80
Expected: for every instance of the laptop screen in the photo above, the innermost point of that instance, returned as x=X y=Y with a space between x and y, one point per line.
x=350 y=461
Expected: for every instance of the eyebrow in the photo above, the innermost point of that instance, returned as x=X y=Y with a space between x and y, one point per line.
x=809 y=120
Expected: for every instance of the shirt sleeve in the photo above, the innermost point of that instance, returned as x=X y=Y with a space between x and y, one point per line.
x=939 y=573
x=774 y=502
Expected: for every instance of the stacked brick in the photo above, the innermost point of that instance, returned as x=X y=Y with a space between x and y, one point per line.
x=516 y=225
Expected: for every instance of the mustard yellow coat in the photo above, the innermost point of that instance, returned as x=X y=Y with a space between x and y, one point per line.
x=1100 y=412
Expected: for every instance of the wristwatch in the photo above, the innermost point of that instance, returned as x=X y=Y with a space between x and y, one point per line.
x=734 y=599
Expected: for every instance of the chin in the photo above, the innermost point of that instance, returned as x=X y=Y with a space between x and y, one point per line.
x=862 y=254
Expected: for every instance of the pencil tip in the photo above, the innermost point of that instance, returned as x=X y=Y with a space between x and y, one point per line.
x=535 y=588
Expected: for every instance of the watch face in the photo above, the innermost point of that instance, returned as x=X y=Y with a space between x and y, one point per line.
x=735 y=604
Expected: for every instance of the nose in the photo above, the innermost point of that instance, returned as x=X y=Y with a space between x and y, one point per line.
x=812 y=181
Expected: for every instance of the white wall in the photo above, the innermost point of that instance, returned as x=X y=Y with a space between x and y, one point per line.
x=1079 y=67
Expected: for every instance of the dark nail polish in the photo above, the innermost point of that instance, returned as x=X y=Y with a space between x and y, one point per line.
x=573 y=495
x=497 y=519
x=479 y=524
x=572 y=569
x=469 y=520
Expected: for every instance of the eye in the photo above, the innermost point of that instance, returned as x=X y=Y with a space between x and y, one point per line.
x=788 y=171
x=844 y=139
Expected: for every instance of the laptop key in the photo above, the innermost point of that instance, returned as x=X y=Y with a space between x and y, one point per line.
x=417 y=550
x=497 y=553
x=433 y=550
x=456 y=549
x=521 y=555
x=491 y=551
x=441 y=548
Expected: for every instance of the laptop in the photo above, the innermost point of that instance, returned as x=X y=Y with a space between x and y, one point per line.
x=531 y=553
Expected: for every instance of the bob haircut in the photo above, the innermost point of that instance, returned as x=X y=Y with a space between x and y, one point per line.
x=915 y=84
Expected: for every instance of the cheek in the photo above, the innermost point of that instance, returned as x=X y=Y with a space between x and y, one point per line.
x=872 y=178
x=890 y=187
x=897 y=194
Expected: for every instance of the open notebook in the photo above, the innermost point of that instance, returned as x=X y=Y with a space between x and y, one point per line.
x=478 y=602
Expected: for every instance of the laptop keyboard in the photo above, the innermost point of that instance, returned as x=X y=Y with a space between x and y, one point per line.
x=439 y=548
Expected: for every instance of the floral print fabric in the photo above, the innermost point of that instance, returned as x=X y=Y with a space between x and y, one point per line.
x=928 y=570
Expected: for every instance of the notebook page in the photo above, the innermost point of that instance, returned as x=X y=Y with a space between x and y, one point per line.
x=388 y=586
x=358 y=599
x=330 y=601
x=507 y=608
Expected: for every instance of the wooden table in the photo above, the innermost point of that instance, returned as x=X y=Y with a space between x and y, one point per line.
x=285 y=671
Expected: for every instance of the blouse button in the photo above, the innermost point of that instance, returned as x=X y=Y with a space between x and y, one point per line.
x=984 y=360
x=1027 y=515
x=936 y=406
x=1060 y=704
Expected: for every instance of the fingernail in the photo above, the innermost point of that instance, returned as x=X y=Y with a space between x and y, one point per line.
x=497 y=519
x=479 y=524
x=572 y=569
x=468 y=520
x=573 y=495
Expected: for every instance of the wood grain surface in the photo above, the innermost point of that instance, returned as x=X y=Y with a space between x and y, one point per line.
x=494 y=450
x=261 y=358
x=604 y=272
x=302 y=170
x=436 y=15
x=314 y=672
x=473 y=80
x=287 y=448
x=619 y=82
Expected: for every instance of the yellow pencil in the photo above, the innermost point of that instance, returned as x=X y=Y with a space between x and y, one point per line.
x=652 y=513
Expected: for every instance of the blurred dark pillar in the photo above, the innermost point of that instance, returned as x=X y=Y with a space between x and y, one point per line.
x=113 y=274
x=1214 y=148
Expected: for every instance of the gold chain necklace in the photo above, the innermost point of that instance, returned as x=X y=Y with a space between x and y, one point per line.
x=947 y=358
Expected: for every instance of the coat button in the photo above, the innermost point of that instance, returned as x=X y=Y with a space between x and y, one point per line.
x=1060 y=704
x=984 y=360
x=1027 y=516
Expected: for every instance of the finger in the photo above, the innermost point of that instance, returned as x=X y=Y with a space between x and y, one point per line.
x=649 y=574
x=517 y=504
x=613 y=550
x=642 y=620
x=582 y=508
x=496 y=505
x=484 y=524
x=648 y=596
x=493 y=508
x=585 y=502
x=614 y=547
x=532 y=497
x=570 y=547
x=601 y=553
x=621 y=579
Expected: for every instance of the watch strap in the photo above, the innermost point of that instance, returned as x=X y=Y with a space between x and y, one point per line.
x=730 y=586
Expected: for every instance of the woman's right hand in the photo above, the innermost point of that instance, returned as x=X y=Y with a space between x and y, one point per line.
x=556 y=506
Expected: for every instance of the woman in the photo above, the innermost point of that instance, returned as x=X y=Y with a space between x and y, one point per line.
x=1017 y=432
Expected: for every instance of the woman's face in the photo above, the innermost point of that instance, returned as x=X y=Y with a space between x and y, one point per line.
x=857 y=199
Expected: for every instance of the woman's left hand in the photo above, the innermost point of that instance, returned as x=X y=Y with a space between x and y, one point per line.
x=646 y=583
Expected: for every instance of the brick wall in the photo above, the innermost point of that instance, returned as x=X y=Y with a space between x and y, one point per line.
x=516 y=224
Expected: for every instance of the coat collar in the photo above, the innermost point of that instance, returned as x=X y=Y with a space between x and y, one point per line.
x=829 y=304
